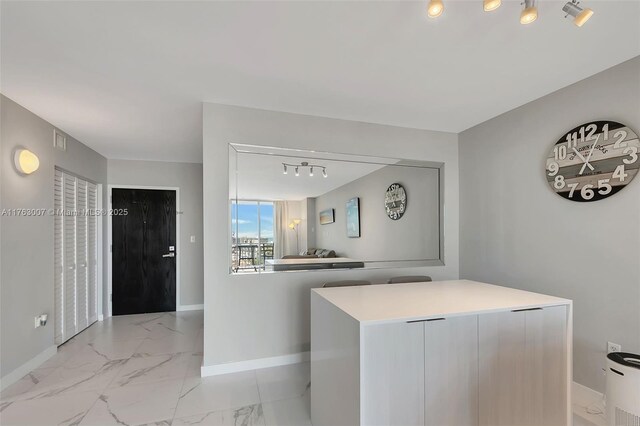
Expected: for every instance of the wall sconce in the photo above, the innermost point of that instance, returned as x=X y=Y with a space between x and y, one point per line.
x=26 y=161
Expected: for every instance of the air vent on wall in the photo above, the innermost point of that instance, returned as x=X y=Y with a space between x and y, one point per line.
x=59 y=140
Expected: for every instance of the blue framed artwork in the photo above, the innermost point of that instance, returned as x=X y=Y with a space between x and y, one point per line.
x=353 y=218
x=327 y=216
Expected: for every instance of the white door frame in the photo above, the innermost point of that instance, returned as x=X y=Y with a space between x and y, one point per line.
x=110 y=238
x=100 y=254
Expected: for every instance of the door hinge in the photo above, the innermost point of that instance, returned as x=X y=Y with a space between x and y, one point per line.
x=111 y=297
x=110 y=248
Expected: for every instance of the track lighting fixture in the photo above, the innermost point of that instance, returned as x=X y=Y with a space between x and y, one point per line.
x=580 y=15
x=490 y=5
x=296 y=168
x=529 y=13
x=435 y=8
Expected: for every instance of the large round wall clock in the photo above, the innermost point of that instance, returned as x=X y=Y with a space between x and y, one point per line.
x=593 y=161
x=395 y=201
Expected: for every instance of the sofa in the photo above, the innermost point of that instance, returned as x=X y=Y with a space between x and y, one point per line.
x=312 y=253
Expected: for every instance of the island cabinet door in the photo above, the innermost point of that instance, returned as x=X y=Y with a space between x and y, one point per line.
x=392 y=381
x=523 y=368
x=451 y=371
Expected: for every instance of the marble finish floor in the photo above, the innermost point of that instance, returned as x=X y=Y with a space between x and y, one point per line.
x=145 y=370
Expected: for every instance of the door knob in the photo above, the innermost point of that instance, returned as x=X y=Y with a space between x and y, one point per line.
x=169 y=255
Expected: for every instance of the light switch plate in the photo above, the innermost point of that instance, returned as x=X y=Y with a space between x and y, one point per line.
x=193 y=239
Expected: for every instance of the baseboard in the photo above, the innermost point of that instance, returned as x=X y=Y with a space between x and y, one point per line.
x=100 y=317
x=190 y=308
x=27 y=367
x=254 y=364
x=588 y=404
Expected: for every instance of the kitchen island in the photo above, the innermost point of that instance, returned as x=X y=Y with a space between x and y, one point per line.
x=439 y=353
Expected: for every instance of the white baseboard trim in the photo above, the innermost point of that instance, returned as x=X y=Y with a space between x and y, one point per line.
x=27 y=367
x=190 y=308
x=588 y=404
x=254 y=364
x=584 y=395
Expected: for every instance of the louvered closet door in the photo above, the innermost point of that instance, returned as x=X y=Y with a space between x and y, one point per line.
x=69 y=250
x=75 y=252
x=58 y=254
x=92 y=253
x=82 y=291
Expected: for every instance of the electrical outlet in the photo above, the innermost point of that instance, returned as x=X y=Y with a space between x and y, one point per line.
x=613 y=347
x=40 y=321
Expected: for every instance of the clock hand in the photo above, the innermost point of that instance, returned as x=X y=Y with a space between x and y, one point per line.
x=583 y=159
x=590 y=154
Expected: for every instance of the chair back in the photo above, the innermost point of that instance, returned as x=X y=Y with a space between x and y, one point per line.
x=409 y=279
x=346 y=283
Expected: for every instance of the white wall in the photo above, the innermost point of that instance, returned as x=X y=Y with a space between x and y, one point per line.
x=415 y=236
x=26 y=261
x=515 y=231
x=187 y=177
x=258 y=316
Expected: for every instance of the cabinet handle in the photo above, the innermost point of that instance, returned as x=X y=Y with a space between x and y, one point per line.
x=527 y=309
x=427 y=320
x=616 y=371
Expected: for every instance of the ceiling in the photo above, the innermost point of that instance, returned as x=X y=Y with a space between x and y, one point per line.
x=128 y=78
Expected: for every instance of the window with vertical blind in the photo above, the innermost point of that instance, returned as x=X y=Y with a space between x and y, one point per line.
x=75 y=254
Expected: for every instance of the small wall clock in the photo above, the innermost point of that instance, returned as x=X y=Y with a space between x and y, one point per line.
x=395 y=201
x=593 y=161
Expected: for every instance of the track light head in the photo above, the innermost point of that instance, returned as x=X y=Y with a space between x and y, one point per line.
x=580 y=15
x=297 y=171
x=311 y=171
x=285 y=169
x=491 y=5
x=435 y=8
x=324 y=172
x=529 y=13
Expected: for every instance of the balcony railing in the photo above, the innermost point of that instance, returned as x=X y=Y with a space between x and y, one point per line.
x=250 y=256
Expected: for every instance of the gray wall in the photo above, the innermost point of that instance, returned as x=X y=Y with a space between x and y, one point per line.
x=515 y=231
x=187 y=177
x=26 y=261
x=257 y=316
x=415 y=236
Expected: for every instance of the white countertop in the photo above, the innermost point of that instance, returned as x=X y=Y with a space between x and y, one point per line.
x=414 y=301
